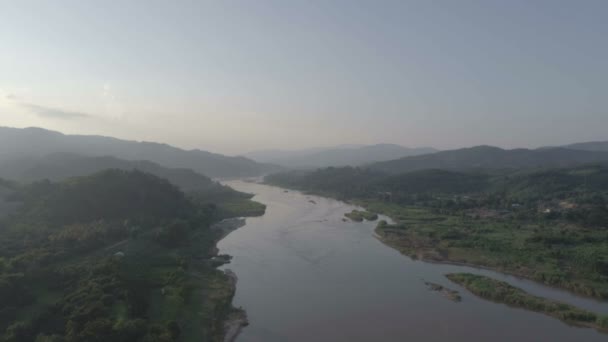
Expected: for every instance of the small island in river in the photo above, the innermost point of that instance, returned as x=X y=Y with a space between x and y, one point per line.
x=360 y=215
x=501 y=292
x=450 y=294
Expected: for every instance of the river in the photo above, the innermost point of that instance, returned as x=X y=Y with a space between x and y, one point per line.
x=306 y=275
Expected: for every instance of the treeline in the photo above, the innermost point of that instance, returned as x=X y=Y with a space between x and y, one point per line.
x=578 y=194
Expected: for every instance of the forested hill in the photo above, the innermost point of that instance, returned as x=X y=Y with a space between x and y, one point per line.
x=585 y=187
x=60 y=166
x=108 y=195
x=37 y=142
x=117 y=256
x=337 y=156
x=492 y=158
x=7 y=188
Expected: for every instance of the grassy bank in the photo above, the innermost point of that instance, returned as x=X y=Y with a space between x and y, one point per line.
x=502 y=292
x=559 y=255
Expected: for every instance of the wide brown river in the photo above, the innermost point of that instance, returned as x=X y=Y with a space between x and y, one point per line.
x=305 y=275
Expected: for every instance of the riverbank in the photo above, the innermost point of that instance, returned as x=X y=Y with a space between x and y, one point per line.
x=448 y=293
x=510 y=247
x=237 y=319
x=502 y=292
x=562 y=256
x=234 y=319
x=305 y=274
x=360 y=215
x=555 y=235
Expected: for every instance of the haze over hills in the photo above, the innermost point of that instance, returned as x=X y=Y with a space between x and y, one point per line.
x=6 y=189
x=489 y=157
x=60 y=166
x=345 y=155
x=267 y=156
x=36 y=142
x=589 y=146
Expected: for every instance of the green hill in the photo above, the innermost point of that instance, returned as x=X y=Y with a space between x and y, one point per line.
x=61 y=166
x=36 y=142
x=115 y=256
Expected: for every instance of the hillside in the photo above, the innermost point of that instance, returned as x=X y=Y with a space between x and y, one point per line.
x=6 y=190
x=60 y=166
x=491 y=158
x=339 y=156
x=36 y=142
x=115 y=256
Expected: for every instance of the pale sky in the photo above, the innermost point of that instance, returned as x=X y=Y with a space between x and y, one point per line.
x=236 y=76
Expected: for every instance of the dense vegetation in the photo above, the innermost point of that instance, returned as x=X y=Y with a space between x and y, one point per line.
x=548 y=225
x=360 y=215
x=117 y=256
x=501 y=292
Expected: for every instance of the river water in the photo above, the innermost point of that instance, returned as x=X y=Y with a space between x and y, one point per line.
x=305 y=275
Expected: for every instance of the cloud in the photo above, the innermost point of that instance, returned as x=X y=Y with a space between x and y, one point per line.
x=114 y=108
x=53 y=113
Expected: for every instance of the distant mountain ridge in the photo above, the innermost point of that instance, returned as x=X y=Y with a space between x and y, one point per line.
x=61 y=166
x=337 y=156
x=589 y=146
x=490 y=157
x=37 y=142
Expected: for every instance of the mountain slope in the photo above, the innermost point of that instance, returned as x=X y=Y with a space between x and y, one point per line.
x=339 y=156
x=88 y=258
x=60 y=166
x=488 y=157
x=36 y=142
x=6 y=190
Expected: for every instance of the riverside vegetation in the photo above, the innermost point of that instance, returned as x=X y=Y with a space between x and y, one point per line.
x=450 y=294
x=116 y=256
x=549 y=225
x=360 y=215
x=502 y=292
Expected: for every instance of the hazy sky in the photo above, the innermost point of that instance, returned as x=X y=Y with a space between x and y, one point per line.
x=235 y=76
